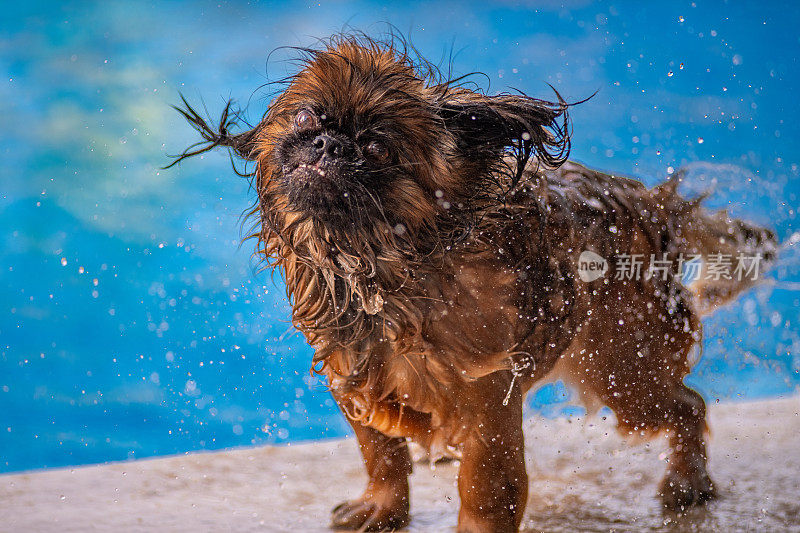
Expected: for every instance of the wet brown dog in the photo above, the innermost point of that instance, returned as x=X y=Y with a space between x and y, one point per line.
x=430 y=237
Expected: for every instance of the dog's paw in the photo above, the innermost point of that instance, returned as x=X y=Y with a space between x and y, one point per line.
x=366 y=514
x=679 y=491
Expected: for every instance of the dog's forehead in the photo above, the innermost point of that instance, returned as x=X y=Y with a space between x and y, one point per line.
x=360 y=83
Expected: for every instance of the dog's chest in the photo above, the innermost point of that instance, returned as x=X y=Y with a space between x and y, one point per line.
x=473 y=312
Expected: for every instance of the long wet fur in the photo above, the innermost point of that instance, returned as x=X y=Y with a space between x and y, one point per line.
x=444 y=284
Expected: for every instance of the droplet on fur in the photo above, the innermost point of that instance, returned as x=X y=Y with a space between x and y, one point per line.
x=374 y=304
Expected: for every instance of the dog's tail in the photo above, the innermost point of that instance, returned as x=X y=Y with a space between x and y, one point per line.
x=720 y=256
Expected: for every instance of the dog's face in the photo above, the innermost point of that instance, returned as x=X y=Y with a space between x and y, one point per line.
x=355 y=140
x=360 y=138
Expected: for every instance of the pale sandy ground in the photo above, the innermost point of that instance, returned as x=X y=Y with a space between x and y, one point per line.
x=583 y=478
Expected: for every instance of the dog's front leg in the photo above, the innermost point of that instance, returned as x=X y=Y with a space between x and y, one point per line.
x=385 y=502
x=492 y=481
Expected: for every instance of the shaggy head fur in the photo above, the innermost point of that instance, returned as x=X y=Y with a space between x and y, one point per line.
x=335 y=147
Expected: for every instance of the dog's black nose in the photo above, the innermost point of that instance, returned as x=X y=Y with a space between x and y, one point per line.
x=327 y=145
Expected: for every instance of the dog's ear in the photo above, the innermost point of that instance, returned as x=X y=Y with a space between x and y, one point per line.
x=485 y=127
x=242 y=144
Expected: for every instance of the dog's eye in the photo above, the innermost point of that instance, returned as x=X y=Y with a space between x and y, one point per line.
x=305 y=120
x=377 y=151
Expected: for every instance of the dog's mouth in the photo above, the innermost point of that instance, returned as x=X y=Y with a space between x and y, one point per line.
x=319 y=189
x=308 y=169
x=318 y=177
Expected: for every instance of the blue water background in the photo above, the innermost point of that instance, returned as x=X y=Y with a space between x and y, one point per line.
x=132 y=323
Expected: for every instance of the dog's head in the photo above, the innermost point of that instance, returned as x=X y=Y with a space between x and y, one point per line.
x=365 y=136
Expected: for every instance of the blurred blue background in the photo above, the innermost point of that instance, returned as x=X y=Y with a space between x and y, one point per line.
x=133 y=324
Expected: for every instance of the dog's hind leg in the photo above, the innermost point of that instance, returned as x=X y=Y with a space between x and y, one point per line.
x=633 y=359
x=385 y=502
x=687 y=482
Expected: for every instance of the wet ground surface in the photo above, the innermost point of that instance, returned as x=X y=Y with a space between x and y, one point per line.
x=583 y=478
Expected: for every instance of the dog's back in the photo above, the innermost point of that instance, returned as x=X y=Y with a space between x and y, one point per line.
x=715 y=256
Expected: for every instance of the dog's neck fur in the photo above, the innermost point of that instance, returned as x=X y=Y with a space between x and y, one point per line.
x=349 y=291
